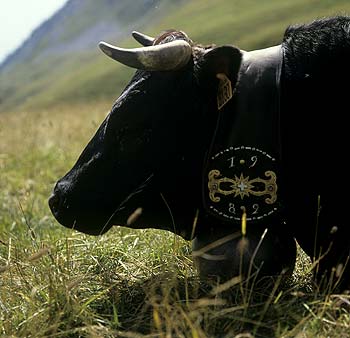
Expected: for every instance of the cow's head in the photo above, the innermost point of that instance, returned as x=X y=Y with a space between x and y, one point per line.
x=149 y=150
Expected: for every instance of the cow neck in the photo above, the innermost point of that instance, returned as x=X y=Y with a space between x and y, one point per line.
x=241 y=172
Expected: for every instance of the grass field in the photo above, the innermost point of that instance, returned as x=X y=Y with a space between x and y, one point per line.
x=55 y=282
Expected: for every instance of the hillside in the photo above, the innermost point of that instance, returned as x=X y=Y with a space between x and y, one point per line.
x=30 y=76
x=60 y=62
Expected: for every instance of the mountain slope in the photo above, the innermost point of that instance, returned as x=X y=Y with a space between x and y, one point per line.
x=77 y=27
x=61 y=64
x=69 y=38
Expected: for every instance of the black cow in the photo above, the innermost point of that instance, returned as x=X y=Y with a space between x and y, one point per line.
x=241 y=176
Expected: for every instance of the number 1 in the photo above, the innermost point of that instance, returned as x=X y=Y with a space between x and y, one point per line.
x=231 y=159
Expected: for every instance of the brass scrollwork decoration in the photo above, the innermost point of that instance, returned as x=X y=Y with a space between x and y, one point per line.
x=243 y=186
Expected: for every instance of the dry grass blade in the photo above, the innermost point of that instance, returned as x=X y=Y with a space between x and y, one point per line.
x=213 y=245
x=42 y=252
x=134 y=216
x=3 y=243
x=4 y=268
x=226 y=286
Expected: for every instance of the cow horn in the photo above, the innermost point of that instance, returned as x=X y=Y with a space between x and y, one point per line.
x=168 y=56
x=143 y=39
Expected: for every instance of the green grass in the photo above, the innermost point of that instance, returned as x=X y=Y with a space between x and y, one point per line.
x=55 y=282
x=248 y=24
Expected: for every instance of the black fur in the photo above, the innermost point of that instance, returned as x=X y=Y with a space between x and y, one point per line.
x=315 y=108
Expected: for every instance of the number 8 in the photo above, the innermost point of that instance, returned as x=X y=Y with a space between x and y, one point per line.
x=232 y=208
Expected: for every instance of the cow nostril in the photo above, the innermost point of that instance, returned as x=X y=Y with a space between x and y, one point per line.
x=54 y=203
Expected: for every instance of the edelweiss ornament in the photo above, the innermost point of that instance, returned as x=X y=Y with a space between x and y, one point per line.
x=246 y=181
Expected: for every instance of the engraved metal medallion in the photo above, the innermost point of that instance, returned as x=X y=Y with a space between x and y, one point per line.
x=242 y=179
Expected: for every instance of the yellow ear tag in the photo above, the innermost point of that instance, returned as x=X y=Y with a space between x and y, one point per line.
x=224 y=91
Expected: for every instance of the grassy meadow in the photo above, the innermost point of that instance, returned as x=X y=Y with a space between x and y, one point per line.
x=55 y=282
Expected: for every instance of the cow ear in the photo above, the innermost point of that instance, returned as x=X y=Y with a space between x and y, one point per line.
x=217 y=72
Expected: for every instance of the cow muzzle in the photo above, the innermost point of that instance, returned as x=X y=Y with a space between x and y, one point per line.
x=60 y=208
x=81 y=217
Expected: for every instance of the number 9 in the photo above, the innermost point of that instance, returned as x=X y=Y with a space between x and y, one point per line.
x=254 y=159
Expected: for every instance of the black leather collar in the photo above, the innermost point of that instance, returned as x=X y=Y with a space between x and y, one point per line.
x=242 y=171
